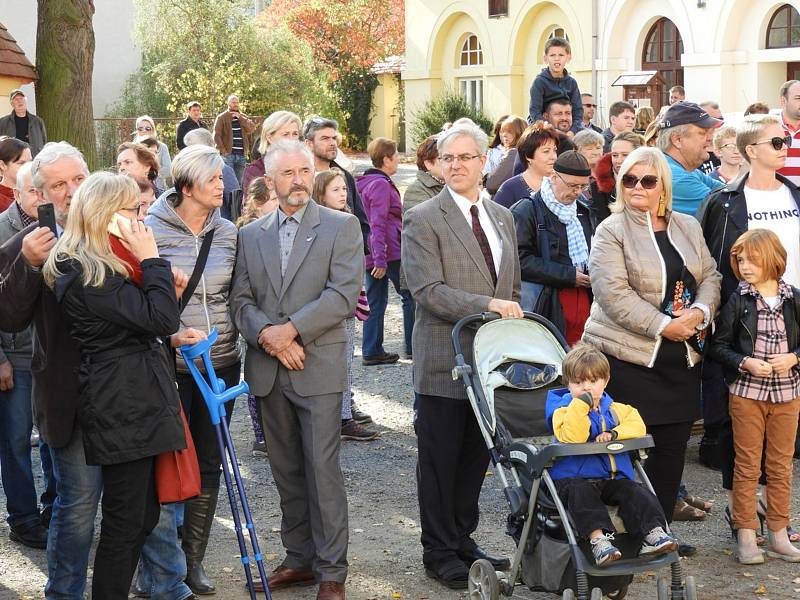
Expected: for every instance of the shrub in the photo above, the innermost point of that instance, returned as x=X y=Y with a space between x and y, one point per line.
x=446 y=107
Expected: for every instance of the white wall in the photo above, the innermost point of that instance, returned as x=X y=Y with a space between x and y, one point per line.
x=116 y=55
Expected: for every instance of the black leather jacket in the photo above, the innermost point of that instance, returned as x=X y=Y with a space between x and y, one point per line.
x=735 y=333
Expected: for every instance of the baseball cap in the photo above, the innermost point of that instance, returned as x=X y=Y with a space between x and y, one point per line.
x=688 y=113
x=15 y=93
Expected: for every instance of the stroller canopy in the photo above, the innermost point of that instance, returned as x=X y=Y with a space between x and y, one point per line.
x=515 y=353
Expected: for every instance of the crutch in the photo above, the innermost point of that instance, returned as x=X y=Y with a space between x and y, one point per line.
x=215 y=396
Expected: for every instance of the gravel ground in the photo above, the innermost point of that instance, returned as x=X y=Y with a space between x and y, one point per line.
x=385 y=556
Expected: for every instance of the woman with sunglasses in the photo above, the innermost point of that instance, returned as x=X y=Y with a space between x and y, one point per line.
x=146 y=129
x=760 y=199
x=656 y=289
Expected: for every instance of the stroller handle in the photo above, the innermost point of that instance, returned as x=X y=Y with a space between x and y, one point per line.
x=485 y=317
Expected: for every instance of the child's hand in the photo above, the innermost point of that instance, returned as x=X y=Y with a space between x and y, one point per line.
x=604 y=437
x=757 y=368
x=783 y=363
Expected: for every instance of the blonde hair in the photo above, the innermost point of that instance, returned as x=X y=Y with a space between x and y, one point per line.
x=274 y=122
x=750 y=129
x=85 y=237
x=722 y=134
x=650 y=157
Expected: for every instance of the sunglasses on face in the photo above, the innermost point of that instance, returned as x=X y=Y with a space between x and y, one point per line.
x=777 y=142
x=648 y=181
x=587 y=105
x=144 y=128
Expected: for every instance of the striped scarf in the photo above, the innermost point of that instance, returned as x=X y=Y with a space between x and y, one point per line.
x=568 y=215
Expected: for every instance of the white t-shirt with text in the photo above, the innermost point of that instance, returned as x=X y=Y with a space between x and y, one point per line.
x=777 y=211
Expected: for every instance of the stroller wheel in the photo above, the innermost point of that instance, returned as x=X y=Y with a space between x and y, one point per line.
x=662 y=589
x=691 y=588
x=597 y=594
x=483 y=583
x=568 y=594
x=619 y=594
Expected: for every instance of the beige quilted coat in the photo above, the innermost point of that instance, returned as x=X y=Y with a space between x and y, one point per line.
x=629 y=280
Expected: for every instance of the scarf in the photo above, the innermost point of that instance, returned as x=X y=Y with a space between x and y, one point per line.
x=567 y=214
x=132 y=264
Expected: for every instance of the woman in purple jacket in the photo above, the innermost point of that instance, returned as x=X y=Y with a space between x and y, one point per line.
x=384 y=210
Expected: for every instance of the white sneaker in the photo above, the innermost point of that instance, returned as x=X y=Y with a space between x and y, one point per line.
x=657 y=542
x=604 y=551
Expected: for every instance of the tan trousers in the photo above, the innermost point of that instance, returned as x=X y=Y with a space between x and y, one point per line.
x=752 y=419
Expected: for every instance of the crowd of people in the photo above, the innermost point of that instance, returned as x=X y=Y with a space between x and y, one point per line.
x=665 y=248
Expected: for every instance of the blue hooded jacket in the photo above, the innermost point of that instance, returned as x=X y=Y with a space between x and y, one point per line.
x=595 y=466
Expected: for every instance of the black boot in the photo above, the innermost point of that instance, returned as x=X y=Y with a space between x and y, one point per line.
x=197 y=520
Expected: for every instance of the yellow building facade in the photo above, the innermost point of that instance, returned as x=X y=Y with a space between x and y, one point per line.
x=733 y=51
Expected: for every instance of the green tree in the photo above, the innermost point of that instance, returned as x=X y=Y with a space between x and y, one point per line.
x=208 y=49
x=64 y=60
x=447 y=107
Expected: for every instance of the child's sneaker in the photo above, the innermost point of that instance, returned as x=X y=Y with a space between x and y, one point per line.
x=604 y=551
x=657 y=542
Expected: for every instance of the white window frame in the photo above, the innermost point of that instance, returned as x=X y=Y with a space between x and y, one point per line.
x=471 y=89
x=466 y=51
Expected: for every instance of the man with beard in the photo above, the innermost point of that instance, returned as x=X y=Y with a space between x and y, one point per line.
x=559 y=114
x=589 y=108
x=298 y=275
x=322 y=139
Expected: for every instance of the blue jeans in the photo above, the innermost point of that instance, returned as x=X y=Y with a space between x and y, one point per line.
x=378 y=297
x=237 y=163
x=162 y=567
x=16 y=422
x=72 y=525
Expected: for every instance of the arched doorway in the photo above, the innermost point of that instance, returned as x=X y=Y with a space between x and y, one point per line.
x=783 y=31
x=662 y=51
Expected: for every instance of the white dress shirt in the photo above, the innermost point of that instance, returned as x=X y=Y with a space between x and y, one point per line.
x=495 y=244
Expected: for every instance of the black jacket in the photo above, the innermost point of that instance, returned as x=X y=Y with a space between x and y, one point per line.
x=25 y=300
x=355 y=204
x=736 y=325
x=129 y=405
x=723 y=217
x=559 y=271
x=184 y=127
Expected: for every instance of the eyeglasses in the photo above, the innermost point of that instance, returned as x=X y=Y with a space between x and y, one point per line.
x=777 y=142
x=587 y=105
x=449 y=159
x=648 y=181
x=135 y=209
x=727 y=146
x=144 y=128
x=575 y=187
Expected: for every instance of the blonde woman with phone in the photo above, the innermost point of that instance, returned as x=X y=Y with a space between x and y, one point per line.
x=120 y=298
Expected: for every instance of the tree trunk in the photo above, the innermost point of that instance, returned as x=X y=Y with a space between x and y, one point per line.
x=64 y=60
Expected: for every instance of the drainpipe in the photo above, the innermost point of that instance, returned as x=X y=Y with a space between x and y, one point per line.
x=595 y=43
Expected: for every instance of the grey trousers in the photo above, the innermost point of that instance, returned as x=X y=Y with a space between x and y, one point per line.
x=303 y=441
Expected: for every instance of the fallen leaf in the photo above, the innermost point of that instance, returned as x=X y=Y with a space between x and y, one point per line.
x=761 y=590
x=358 y=531
x=227 y=569
x=771 y=576
x=396 y=595
x=727 y=552
x=276 y=530
x=746 y=574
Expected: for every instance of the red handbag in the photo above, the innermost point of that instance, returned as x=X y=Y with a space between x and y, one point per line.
x=177 y=472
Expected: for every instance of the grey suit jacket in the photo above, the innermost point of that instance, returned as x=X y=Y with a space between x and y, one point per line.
x=319 y=290
x=448 y=278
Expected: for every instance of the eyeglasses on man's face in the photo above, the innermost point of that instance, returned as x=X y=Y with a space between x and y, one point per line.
x=575 y=187
x=450 y=159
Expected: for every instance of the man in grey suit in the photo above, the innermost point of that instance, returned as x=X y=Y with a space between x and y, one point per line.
x=298 y=274
x=459 y=252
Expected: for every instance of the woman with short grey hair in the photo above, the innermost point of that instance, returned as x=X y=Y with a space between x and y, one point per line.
x=182 y=219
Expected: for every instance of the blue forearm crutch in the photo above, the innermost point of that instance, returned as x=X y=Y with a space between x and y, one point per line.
x=215 y=396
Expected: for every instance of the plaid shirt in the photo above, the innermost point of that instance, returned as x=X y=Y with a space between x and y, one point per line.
x=26 y=219
x=770 y=340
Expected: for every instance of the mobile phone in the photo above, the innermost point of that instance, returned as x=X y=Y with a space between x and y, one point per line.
x=47 y=217
x=114 y=226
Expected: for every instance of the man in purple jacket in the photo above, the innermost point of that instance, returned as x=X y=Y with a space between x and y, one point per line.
x=384 y=211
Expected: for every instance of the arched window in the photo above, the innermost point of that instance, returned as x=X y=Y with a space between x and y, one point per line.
x=663 y=47
x=558 y=32
x=783 y=30
x=471 y=52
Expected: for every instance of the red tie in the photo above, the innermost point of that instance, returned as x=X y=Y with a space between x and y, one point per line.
x=480 y=235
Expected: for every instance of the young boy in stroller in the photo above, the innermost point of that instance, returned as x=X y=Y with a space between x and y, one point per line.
x=586 y=484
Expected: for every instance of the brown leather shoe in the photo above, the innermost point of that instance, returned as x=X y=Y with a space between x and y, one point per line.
x=330 y=590
x=284 y=577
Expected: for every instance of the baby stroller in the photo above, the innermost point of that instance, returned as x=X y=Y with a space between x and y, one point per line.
x=515 y=363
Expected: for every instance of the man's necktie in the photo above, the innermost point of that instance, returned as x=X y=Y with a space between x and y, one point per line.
x=480 y=235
